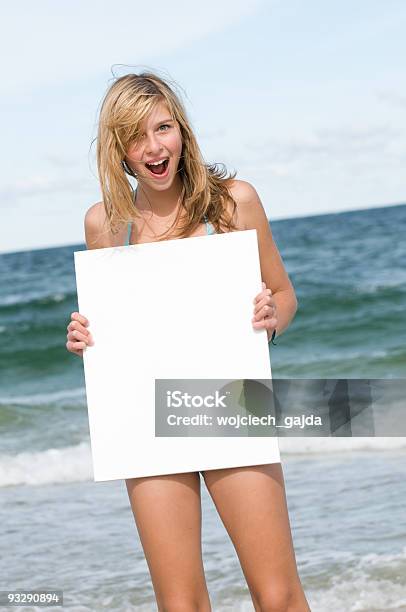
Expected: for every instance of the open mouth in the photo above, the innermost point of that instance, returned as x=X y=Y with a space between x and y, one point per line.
x=158 y=169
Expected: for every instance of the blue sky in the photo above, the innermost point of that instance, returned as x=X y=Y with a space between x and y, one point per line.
x=306 y=100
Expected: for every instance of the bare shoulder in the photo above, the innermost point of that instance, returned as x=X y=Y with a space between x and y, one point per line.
x=95 y=214
x=250 y=209
x=242 y=190
x=253 y=216
x=97 y=236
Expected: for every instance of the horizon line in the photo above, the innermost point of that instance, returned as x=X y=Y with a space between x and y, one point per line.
x=274 y=220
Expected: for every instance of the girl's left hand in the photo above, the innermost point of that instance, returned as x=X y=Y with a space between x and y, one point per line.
x=265 y=315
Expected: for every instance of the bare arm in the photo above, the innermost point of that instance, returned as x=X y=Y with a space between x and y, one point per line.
x=94 y=229
x=78 y=335
x=253 y=216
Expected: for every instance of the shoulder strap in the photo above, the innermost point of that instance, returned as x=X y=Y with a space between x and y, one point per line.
x=129 y=224
x=209 y=227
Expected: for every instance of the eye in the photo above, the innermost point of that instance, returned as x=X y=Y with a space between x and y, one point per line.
x=164 y=125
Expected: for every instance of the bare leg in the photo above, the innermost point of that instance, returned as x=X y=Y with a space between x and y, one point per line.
x=251 y=502
x=167 y=512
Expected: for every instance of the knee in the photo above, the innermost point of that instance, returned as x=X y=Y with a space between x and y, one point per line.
x=174 y=606
x=184 y=604
x=280 y=598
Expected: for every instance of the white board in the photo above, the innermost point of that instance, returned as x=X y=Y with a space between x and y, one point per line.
x=173 y=309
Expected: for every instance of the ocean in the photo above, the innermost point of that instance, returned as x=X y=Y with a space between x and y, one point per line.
x=346 y=496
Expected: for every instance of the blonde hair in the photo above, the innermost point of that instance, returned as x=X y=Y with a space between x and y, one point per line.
x=128 y=101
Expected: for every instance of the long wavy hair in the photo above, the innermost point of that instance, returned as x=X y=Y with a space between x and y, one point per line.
x=205 y=191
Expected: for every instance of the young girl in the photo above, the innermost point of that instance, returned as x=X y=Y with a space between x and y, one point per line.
x=144 y=133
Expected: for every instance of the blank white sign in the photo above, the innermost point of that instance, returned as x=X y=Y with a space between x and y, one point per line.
x=173 y=309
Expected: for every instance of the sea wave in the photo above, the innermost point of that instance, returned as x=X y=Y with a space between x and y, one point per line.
x=315 y=446
x=372 y=582
x=34 y=298
x=51 y=466
x=355 y=586
x=41 y=399
x=74 y=463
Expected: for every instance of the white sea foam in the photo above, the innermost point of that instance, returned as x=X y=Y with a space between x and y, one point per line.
x=313 y=446
x=359 y=587
x=395 y=281
x=39 y=399
x=54 y=465
x=74 y=463
x=360 y=584
x=374 y=582
x=359 y=595
x=19 y=299
x=353 y=589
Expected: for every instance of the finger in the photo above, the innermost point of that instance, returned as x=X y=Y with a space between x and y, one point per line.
x=76 y=316
x=263 y=295
x=267 y=301
x=265 y=311
x=271 y=323
x=266 y=323
x=79 y=353
x=260 y=295
x=74 y=347
x=76 y=335
x=76 y=325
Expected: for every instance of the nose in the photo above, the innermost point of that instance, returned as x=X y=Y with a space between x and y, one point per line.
x=153 y=145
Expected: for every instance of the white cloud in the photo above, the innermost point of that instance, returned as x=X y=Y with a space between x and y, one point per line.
x=338 y=143
x=394 y=98
x=39 y=185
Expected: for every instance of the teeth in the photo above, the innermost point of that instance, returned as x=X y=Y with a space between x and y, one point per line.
x=158 y=162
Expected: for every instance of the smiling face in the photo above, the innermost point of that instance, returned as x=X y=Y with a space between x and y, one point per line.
x=159 y=141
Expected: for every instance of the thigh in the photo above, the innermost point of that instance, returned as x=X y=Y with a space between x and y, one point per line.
x=167 y=512
x=252 y=504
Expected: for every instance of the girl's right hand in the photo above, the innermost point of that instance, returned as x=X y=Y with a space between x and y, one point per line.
x=78 y=337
